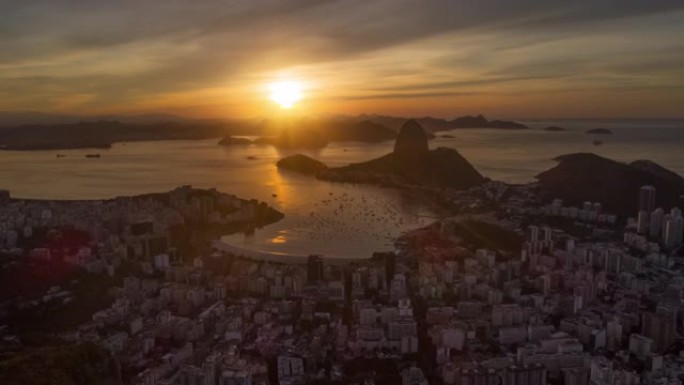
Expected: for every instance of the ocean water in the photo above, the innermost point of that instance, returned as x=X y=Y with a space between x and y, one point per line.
x=516 y=156
x=336 y=220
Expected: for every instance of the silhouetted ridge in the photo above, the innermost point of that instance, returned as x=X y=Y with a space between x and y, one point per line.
x=584 y=177
x=470 y=121
x=102 y=134
x=363 y=131
x=482 y=122
x=658 y=170
x=318 y=132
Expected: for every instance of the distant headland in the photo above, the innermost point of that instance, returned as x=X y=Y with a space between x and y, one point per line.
x=411 y=163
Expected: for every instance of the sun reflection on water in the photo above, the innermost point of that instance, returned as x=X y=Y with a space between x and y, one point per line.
x=279 y=239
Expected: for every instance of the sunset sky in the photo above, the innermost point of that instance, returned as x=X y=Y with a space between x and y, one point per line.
x=217 y=58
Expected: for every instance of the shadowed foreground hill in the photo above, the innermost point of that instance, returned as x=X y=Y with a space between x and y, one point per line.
x=412 y=163
x=588 y=177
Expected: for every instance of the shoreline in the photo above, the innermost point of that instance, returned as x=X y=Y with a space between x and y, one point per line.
x=285 y=258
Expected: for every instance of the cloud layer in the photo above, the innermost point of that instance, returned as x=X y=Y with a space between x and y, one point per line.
x=213 y=58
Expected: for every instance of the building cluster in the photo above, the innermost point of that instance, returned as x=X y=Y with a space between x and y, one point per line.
x=122 y=228
x=654 y=226
x=564 y=308
x=589 y=212
x=285 y=321
x=101 y=236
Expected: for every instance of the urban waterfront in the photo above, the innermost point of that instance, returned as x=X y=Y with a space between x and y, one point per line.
x=332 y=219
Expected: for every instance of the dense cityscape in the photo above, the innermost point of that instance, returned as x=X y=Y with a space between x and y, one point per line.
x=341 y=192
x=580 y=296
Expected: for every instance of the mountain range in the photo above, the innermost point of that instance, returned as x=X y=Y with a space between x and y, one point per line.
x=41 y=131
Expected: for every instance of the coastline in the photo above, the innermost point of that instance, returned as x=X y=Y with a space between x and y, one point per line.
x=284 y=258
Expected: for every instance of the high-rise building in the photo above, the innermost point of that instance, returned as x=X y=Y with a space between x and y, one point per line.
x=533 y=234
x=656 y=225
x=210 y=369
x=390 y=259
x=643 y=222
x=640 y=345
x=290 y=368
x=390 y=266
x=673 y=229
x=678 y=226
x=314 y=269
x=661 y=327
x=647 y=198
x=663 y=231
x=679 y=230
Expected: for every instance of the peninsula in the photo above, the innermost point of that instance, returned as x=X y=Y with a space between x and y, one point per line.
x=411 y=163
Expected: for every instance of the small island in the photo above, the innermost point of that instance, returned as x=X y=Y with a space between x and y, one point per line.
x=554 y=128
x=599 y=131
x=302 y=164
x=480 y=121
x=231 y=141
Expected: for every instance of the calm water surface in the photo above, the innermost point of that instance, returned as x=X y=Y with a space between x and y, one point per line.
x=336 y=220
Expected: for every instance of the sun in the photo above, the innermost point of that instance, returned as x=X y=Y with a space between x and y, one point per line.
x=286 y=93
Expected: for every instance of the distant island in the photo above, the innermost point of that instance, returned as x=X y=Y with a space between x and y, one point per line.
x=432 y=125
x=232 y=141
x=599 y=131
x=554 y=128
x=480 y=121
x=302 y=164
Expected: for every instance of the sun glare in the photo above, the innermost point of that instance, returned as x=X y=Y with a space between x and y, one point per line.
x=286 y=93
